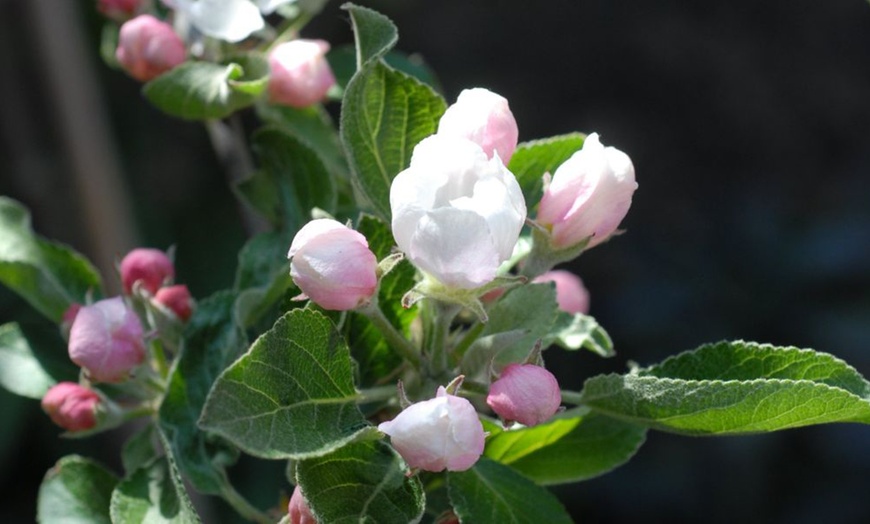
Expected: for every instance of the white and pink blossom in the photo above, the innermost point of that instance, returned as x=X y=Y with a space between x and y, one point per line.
x=300 y=74
x=484 y=118
x=147 y=48
x=525 y=393
x=106 y=340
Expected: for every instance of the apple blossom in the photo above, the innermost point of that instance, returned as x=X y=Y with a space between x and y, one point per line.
x=106 y=340
x=147 y=48
x=298 y=511
x=525 y=393
x=150 y=267
x=301 y=76
x=71 y=406
x=443 y=432
x=333 y=265
x=571 y=294
x=588 y=196
x=484 y=118
x=177 y=299
x=229 y=20
x=456 y=214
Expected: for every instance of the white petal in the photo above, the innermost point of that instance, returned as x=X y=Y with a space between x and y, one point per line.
x=230 y=20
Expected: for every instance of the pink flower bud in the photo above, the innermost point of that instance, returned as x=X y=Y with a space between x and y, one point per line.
x=177 y=299
x=71 y=406
x=106 y=340
x=148 y=48
x=69 y=316
x=484 y=118
x=151 y=267
x=298 y=509
x=118 y=9
x=571 y=294
x=332 y=265
x=588 y=196
x=301 y=76
x=443 y=432
x=525 y=393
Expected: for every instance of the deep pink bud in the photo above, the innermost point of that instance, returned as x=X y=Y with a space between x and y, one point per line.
x=151 y=267
x=588 y=196
x=148 y=48
x=301 y=76
x=118 y=9
x=571 y=294
x=106 y=340
x=177 y=299
x=443 y=432
x=71 y=406
x=332 y=265
x=298 y=509
x=484 y=118
x=525 y=393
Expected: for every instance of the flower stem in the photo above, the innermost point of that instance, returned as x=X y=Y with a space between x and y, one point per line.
x=394 y=339
x=572 y=397
x=243 y=507
x=444 y=315
x=378 y=393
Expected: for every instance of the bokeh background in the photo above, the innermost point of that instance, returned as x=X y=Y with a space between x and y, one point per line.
x=748 y=122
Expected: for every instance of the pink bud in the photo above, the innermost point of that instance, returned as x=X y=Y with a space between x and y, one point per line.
x=71 y=406
x=177 y=299
x=148 y=48
x=443 y=432
x=301 y=76
x=525 y=393
x=588 y=196
x=571 y=294
x=118 y=9
x=106 y=340
x=151 y=267
x=332 y=265
x=484 y=118
x=69 y=316
x=299 y=512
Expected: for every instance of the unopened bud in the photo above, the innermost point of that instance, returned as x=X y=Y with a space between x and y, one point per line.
x=300 y=74
x=150 y=267
x=71 y=406
x=298 y=510
x=571 y=294
x=118 y=9
x=177 y=299
x=106 y=340
x=525 y=393
x=147 y=48
x=484 y=118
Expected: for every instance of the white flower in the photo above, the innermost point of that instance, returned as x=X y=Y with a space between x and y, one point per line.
x=484 y=118
x=230 y=20
x=456 y=214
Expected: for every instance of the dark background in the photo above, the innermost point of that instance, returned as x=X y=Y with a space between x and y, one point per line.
x=748 y=123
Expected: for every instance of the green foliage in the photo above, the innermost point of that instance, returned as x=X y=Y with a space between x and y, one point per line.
x=384 y=114
x=48 y=275
x=202 y=90
x=362 y=482
x=26 y=367
x=734 y=388
x=491 y=493
x=580 y=331
x=262 y=278
x=153 y=494
x=75 y=490
x=291 y=395
x=567 y=449
x=140 y=449
x=532 y=159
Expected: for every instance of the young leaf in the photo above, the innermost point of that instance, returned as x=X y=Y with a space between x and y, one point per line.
x=733 y=388
x=21 y=372
x=140 y=449
x=211 y=342
x=49 y=276
x=532 y=159
x=361 y=482
x=262 y=278
x=291 y=395
x=342 y=60
x=492 y=493
x=291 y=182
x=202 y=90
x=374 y=33
x=580 y=331
x=151 y=495
x=75 y=490
x=567 y=450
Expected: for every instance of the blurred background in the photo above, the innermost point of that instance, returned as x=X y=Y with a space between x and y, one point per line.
x=748 y=122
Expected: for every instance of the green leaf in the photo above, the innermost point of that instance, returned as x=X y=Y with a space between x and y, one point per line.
x=21 y=372
x=492 y=493
x=532 y=159
x=140 y=449
x=567 y=450
x=262 y=278
x=732 y=388
x=256 y=75
x=49 y=276
x=580 y=331
x=361 y=482
x=384 y=114
x=291 y=395
x=291 y=182
x=342 y=61
x=202 y=90
x=75 y=490
x=151 y=495
x=211 y=342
